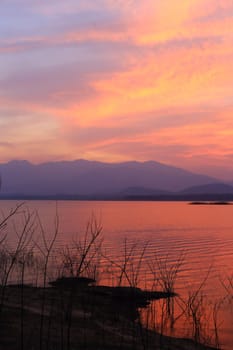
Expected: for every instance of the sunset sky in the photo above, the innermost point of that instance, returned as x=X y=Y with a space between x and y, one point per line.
x=118 y=80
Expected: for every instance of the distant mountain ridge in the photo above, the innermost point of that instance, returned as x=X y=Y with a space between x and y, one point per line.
x=215 y=188
x=83 y=177
x=142 y=191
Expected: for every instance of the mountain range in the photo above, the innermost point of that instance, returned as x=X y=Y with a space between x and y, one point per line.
x=93 y=179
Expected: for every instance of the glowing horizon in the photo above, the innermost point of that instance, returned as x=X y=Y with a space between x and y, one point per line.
x=117 y=81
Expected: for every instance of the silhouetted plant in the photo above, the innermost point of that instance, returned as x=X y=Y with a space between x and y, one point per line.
x=45 y=250
x=11 y=256
x=82 y=259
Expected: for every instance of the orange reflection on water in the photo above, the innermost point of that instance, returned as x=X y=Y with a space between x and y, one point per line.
x=203 y=235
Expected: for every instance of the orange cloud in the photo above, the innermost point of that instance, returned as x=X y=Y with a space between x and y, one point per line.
x=160 y=68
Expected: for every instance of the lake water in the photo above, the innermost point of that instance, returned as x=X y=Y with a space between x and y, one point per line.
x=202 y=235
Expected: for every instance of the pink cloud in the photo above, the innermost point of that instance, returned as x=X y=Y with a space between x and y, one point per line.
x=129 y=79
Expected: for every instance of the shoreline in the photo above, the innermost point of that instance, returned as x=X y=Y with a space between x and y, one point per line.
x=101 y=317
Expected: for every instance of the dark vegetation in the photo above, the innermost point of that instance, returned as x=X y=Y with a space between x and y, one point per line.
x=51 y=298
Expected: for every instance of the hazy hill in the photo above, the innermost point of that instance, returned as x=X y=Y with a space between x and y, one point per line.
x=213 y=188
x=87 y=177
x=142 y=191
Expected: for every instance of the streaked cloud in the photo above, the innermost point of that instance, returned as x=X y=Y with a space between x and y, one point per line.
x=118 y=80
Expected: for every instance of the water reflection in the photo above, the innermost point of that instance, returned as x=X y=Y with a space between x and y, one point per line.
x=202 y=234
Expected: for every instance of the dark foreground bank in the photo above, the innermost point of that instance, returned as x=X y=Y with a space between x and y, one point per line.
x=70 y=316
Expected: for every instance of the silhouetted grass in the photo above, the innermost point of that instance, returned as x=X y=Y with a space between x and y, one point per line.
x=75 y=312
